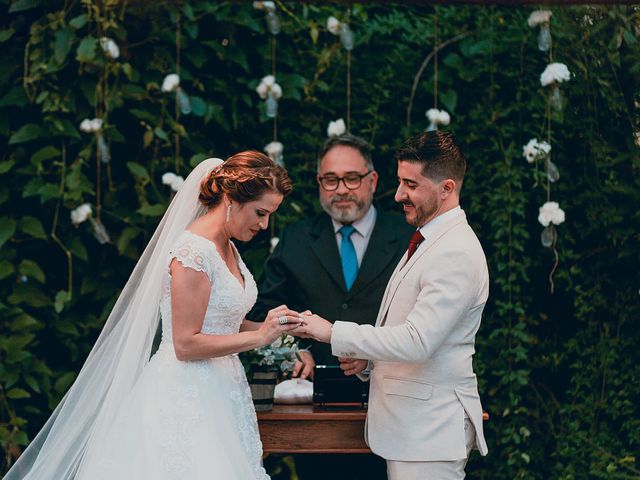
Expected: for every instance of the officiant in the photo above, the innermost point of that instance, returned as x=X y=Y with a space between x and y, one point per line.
x=336 y=264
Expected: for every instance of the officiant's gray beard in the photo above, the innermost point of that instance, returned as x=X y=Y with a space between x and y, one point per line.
x=347 y=214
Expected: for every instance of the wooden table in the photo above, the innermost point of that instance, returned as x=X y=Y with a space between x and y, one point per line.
x=312 y=429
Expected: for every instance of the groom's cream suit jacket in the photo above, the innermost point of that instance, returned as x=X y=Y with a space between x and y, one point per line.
x=422 y=379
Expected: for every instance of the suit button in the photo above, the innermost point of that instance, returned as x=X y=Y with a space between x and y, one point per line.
x=345 y=306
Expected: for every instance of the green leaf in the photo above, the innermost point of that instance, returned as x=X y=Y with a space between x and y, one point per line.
x=63 y=42
x=138 y=170
x=65 y=128
x=14 y=98
x=26 y=133
x=22 y=5
x=31 y=269
x=87 y=49
x=6 y=34
x=16 y=393
x=62 y=297
x=32 y=226
x=124 y=240
x=45 y=153
x=160 y=133
x=449 y=100
x=78 y=22
x=197 y=158
x=77 y=248
x=6 y=269
x=6 y=166
x=64 y=382
x=198 y=106
x=7 y=229
x=152 y=210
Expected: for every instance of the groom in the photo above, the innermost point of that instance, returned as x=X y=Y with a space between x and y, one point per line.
x=424 y=412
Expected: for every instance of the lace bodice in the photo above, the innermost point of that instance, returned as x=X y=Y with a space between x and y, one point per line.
x=229 y=301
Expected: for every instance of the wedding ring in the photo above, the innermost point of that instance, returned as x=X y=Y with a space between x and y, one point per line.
x=283 y=320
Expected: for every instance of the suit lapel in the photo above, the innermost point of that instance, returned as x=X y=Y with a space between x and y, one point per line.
x=325 y=248
x=380 y=251
x=403 y=268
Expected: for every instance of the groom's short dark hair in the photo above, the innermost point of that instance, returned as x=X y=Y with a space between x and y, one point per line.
x=348 y=140
x=438 y=153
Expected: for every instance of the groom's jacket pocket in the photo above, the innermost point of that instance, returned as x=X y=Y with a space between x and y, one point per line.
x=407 y=388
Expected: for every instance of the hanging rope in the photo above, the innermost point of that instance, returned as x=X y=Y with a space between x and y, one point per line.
x=435 y=58
x=349 y=75
x=176 y=136
x=273 y=72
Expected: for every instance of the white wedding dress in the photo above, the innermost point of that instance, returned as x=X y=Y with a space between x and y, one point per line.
x=187 y=420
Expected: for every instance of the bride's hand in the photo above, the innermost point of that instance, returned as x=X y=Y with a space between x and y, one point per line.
x=279 y=320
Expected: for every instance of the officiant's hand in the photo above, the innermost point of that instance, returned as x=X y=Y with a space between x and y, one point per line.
x=352 y=366
x=314 y=326
x=303 y=367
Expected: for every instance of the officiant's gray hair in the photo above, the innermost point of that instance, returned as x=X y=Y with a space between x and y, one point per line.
x=348 y=140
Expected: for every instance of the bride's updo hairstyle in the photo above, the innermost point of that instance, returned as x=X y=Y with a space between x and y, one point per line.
x=244 y=177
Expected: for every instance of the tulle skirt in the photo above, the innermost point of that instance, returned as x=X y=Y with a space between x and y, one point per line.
x=183 y=420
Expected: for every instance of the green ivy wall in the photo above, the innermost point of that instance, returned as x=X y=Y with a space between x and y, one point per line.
x=559 y=372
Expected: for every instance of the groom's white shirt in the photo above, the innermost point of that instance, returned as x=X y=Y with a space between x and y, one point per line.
x=422 y=379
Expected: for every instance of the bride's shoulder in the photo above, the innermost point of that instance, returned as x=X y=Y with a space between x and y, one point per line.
x=194 y=251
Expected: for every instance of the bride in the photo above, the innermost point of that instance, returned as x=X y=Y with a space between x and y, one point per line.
x=186 y=413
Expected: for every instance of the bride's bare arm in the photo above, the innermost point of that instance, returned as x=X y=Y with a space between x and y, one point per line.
x=249 y=325
x=190 y=292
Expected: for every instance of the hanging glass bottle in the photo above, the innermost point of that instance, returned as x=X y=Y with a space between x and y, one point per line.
x=553 y=174
x=548 y=236
x=556 y=97
x=99 y=231
x=271 y=106
x=273 y=23
x=544 y=37
x=103 y=148
x=183 y=101
x=346 y=36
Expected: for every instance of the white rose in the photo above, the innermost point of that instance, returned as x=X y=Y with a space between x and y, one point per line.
x=262 y=90
x=273 y=150
x=273 y=242
x=276 y=91
x=432 y=115
x=110 y=47
x=170 y=82
x=555 y=72
x=444 y=118
x=530 y=150
x=551 y=212
x=333 y=25
x=96 y=124
x=336 y=128
x=81 y=214
x=539 y=16
x=85 y=125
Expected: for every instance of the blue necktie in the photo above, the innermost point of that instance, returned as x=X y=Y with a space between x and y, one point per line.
x=348 y=254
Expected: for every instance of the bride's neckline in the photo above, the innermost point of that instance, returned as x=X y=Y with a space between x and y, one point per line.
x=241 y=281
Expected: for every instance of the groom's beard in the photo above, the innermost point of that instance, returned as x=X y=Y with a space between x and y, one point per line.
x=346 y=213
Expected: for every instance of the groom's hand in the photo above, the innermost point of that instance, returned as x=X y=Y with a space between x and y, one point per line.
x=352 y=366
x=303 y=368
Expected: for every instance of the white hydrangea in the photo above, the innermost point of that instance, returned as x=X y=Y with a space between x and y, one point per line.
x=267 y=6
x=333 y=25
x=268 y=86
x=555 y=72
x=170 y=82
x=274 y=150
x=110 y=47
x=91 y=125
x=173 y=180
x=336 y=128
x=535 y=149
x=551 y=212
x=538 y=17
x=81 y=214
x=273 y=243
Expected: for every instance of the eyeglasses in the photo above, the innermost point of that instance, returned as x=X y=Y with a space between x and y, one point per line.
x=351 y=181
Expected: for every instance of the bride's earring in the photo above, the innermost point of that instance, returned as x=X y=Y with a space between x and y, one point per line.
x=228 y=212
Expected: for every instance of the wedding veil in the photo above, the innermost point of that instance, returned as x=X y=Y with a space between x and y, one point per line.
x=118 y=356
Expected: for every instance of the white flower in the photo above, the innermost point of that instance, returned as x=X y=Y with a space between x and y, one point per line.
x=277 y=343
x=535 y=150
x=110 y=47
x=333 y=25
x=555 y=72
x=268 y=86
x=437 y=117
x=336 y=128
x=267 y=6
x=91 y=125
x=81 y=213
x=636 y=136
x=539 y=16
x=551 y=212
x=173 y=180
x=273 y=242
x=276 y=91
x=170 y=82
x=274 y=150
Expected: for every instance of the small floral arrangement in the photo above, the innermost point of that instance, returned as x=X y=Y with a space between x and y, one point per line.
x=336 y=128
x=279 y=356
x=538 y=17
x=437 y=117
x=173 y=180
x=109 y=47
x=555 y=73
x=549 y=213
x=274 y=152
x=535 y=150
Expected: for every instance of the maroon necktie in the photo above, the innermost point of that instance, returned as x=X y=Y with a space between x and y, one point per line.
x=416 y=239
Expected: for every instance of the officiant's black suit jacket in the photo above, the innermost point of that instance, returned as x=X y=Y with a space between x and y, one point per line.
x=305 y=272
